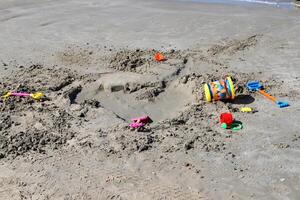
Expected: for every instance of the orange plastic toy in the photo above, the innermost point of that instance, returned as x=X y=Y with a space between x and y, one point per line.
x=159 y=57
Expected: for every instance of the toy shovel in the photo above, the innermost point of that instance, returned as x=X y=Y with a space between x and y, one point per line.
x=254 y=86
x=36 y=96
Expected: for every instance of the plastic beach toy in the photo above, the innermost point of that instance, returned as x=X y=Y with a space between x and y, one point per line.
x=226 y=119
x=140 y=122
x=36 y=96
x=246 y=109
x=255 y=86
x=227 y=122
x=144 y=119
x=159 y=57
x=219 y=90
x=136 y=125
x=236 y=126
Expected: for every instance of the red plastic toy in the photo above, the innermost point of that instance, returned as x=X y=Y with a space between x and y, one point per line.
x=226 y=118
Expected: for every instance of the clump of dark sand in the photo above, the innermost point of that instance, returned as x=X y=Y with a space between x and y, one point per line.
x=233 y=46
x=20 y=116
x=138 y=60
x=127 y=60
x=32 y=140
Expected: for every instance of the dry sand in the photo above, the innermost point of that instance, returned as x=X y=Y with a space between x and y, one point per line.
x=94 y=61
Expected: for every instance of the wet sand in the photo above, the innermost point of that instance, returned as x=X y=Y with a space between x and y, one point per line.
x=94 y=62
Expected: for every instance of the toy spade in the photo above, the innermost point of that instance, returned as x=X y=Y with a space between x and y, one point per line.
x=254 y=86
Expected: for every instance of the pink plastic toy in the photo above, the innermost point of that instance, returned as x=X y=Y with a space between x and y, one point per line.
x=140 y=122
x=136 y=125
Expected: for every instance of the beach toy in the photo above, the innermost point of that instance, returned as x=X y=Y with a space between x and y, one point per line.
x=219 y=90
x=254 y=86
x=144 y=119
x=236 y=126
x=140 y=121
x=159 y=57
x=36 y=96
x=226 y=119
x=136 y=125
x=246 y=109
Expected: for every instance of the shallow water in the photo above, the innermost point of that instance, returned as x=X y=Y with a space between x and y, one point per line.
x=274 y=3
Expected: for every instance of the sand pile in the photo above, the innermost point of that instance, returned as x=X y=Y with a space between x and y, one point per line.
x=138 y=60
x=231 y=47
x=29 y=125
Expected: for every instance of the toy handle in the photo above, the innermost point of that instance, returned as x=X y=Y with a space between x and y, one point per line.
x=20 y=94
x=267 y=95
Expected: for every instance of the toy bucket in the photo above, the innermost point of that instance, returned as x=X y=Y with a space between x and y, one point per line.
x=219 y=90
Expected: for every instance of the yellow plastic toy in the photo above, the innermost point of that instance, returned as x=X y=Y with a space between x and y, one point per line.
x=246 y=109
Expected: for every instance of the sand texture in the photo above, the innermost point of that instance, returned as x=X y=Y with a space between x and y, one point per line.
x=94 y=62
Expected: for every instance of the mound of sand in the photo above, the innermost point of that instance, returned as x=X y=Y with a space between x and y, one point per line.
x=172 y=97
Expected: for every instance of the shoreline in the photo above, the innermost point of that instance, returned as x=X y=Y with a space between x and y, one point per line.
x=248 y=3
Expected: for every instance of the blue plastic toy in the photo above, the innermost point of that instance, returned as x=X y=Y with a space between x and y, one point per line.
x=254 y=86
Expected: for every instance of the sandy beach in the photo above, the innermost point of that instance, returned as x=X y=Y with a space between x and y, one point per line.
x=93 y=60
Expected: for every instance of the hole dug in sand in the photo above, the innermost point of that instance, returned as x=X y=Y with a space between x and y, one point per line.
x=129 y=95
